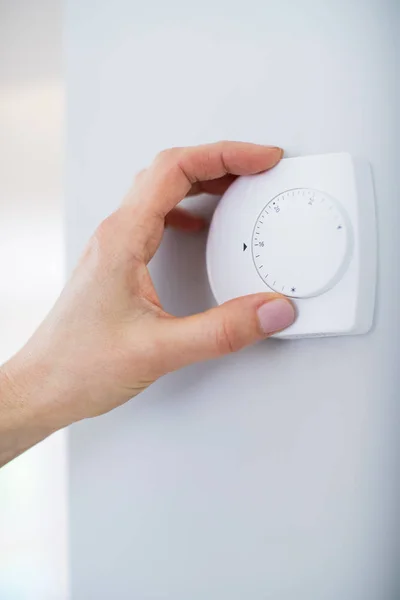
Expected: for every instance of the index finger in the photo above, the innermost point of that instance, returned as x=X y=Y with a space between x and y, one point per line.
x=173 y=173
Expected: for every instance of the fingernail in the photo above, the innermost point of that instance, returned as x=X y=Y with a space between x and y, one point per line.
x=276 y=315
x=278 y=149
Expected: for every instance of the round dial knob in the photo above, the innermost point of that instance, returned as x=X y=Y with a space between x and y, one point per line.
x=301 y=243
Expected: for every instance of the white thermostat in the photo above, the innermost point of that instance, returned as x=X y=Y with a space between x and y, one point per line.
x=305 y=229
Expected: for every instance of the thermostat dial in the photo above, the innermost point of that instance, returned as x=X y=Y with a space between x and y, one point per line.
x=301 y=243
x=305 y=229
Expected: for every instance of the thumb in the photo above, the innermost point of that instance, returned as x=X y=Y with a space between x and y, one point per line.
x=224 y=329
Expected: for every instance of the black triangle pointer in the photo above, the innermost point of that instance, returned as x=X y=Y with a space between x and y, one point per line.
x=244 y=247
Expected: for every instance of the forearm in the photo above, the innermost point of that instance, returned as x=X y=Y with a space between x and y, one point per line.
x=28 y=407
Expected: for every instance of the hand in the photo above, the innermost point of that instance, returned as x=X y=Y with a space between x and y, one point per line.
x=108 y=337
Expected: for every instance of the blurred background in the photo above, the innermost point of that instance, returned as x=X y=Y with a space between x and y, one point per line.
x=33 y=506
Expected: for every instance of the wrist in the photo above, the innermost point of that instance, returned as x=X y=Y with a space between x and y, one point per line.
x=29 y=405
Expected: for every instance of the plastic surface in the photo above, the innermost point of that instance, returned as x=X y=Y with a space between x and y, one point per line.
x=305 y=229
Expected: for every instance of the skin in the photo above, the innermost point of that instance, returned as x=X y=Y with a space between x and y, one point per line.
x=107 y=337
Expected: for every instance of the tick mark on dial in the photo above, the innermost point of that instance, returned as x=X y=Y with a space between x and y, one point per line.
x=339 y=227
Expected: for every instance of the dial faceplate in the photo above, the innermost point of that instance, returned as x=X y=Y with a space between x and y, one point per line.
x=301 y=243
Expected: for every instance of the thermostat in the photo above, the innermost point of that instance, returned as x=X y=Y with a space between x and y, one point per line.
x=305 y=229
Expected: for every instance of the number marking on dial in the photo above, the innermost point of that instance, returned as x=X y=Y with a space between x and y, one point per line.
x=298 y=240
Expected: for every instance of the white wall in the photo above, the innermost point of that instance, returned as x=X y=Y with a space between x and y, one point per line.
x=273 y=473
x=33 y=494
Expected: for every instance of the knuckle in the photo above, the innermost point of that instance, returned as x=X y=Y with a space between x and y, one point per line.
x=106 y=230
x=226 y=340
x=169 y=156
x=139 y=176
x=102 y=241
x=112 y=247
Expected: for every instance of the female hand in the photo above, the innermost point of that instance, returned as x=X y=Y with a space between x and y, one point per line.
x=108 y=337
